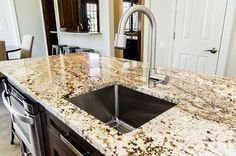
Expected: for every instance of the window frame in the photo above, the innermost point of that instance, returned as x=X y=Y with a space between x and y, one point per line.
x=131 y=19
x=84 y=11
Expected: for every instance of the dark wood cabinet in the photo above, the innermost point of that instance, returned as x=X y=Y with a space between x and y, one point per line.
x=57 y=147
x=60 y=140
x=68 y=14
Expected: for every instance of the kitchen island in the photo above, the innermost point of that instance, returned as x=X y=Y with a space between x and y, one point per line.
x=202 y=123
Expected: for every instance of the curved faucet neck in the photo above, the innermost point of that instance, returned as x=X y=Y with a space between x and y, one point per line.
x=120 y=42
x=124 y=19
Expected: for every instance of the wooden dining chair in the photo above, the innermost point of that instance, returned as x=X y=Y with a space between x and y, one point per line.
x=3 y=54
x=26 y=47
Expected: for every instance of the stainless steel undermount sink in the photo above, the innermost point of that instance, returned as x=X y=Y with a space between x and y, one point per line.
x=121 y=108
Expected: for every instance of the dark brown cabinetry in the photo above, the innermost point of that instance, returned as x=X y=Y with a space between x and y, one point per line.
x=57 y=147
x=68 y=14
x=62 y=141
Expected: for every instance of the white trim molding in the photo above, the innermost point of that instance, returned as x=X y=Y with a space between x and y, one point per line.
x=43 y=25
x=55 y=2
x=16 y=27
x=226 y=38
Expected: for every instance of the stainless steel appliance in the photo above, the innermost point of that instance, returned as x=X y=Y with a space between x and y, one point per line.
x=26 y=121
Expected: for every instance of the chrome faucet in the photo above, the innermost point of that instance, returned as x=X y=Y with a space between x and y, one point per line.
x=121 y=39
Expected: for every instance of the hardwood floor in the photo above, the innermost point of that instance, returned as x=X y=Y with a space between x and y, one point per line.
x=6 y=148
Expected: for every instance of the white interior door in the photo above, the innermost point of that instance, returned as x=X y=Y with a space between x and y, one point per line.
x=199 y=26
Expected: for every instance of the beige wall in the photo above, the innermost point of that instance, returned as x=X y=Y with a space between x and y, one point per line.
x=30 y=22
x=231 y=63
x=117 y=14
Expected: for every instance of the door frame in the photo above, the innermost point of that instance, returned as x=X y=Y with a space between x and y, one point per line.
x=45 y=13
x=225 y=39
x=14 y=20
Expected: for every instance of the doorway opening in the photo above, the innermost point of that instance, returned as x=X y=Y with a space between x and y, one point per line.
x=134 y=30
x=49 y=23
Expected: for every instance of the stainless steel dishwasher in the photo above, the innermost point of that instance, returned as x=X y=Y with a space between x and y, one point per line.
x=25 y=118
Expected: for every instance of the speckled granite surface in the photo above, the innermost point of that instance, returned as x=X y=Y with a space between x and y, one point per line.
x=203 y=122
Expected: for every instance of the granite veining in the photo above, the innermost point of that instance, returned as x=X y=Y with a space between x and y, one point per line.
x=202 y=123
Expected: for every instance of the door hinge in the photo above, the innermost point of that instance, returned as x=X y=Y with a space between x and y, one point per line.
x=174 y=35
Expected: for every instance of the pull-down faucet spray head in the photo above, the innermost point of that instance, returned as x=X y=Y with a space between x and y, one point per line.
x=120 y=41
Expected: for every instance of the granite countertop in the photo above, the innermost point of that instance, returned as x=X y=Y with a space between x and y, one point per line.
x=202 y=123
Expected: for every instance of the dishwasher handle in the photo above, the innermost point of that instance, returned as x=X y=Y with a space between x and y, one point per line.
x=14 y=112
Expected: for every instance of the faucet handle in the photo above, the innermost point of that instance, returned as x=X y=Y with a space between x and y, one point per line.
x=163 y=79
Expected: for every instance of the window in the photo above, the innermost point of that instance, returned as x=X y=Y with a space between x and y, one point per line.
x=92 y=15
x=132 y=24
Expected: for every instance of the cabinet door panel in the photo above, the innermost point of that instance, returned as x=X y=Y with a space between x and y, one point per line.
x=61 y=136
x=57 y=148
x=68 y=14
